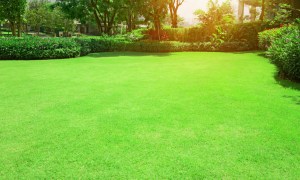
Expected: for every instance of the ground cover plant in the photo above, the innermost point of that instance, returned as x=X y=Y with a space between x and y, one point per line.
x=140 y=115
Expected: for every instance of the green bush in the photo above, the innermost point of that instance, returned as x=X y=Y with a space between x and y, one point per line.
x=193 y=34
x=58 y=48
x=174 y=46
x=268 y=36
x=107 y=43
x=85 y=46
x=245 y=32
x=38 y=48
x=136 y=35
x=284 y=52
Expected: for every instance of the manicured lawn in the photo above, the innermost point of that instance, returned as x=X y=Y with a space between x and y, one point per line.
x=155 y=116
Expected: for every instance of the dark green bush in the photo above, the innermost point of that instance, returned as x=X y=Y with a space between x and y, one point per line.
x=85 y=46
x=284 y=52
x=38 y=48
x=107 y=43
x=57 y=48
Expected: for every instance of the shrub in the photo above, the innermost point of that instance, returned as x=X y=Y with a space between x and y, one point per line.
x=245 y=32
x=136 y=35
x=193 y=34
x=234 y=46
x=85 y=46
x=56 y=48
x=107 y=43
x=268 y=36
x=173 y=46
x=284 y=52
x=38 y=48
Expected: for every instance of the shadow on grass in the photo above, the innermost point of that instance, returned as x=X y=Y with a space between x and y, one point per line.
x=286 y=83
x=132 y=54
x=258 y=52
x=295 y=99
x=291 y=85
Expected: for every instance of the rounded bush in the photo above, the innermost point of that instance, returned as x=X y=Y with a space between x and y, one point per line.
x=285 y=53
x=31 y=48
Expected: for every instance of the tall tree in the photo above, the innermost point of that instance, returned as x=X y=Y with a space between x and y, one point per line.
x=131 y=12
x=216 y=14
x=241 y=11
x=37 y=13
x=155 y=11
x=263 y=9
x=13 y=11
x=104 y=11
x=173 y=8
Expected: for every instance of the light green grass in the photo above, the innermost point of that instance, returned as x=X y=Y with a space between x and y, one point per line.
x=155 y=116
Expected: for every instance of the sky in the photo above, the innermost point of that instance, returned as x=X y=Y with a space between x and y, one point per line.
x=190 y=6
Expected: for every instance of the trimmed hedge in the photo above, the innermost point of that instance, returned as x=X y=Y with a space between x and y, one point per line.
x=58 y=48
x=243 y=32
x=98 y=45
x=284 y=52
x=38 y=48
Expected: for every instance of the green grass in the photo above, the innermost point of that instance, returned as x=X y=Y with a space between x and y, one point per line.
x=154 y=116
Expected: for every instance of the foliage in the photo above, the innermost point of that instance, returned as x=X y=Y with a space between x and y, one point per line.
x=285 y=52
x=59 y=20
x=131 y=12
x=13 y=11
x=37 y=13
x=40 y=14
x=173 y=9
x=155 y=11
x=104 y=12
x=268 y=36
x=38 y=48
x=54 y=48
x=283 y=15
x=246 y=32
x=217 y=15
x=136 y=35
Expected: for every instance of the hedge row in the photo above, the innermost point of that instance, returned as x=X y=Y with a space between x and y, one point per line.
x=97 y=45
x=38 y=48
x=245 y=32
x=283 y=48
x=58 y=48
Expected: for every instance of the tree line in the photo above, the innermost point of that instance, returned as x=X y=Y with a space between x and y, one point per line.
x=107 y=13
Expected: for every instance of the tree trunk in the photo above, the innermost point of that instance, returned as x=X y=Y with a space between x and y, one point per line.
x=19 y=27
x=157 y=27
x=13 y=28
x=175 y=20
x=37 y=29
x=129 y=22
x=253 y=13
x=263 y=8
x=241 y=11
x=98 y=21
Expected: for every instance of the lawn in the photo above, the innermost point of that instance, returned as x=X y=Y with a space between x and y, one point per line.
x=152 y=116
